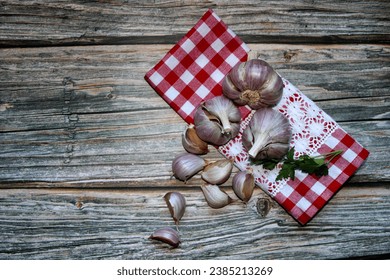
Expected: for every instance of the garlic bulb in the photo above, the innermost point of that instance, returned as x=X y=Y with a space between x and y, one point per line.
x=192 y=143
x=254 y=83
x=167 y=235
x=215 y=197
x=217 y=120
x=217 y=172
x=176 y=204
x=186 y=165
x=243 y=185
x=268 y=135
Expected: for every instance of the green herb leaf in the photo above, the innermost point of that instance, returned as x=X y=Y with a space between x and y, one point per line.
x=319 y=161
x=290 y=154
x=266 y=163
x=287 y=171
x=317 y=165
x=322 y=170
x=307 y=164
x=270 y=164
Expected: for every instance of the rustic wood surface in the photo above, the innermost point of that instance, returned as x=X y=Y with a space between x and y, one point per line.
x=130 y=22
x=86 y=144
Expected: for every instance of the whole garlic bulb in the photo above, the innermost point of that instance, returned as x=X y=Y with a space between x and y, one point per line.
x=268 y=135
x=254 y=83
x=217 y=120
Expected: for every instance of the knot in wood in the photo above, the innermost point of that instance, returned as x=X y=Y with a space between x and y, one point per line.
x=263 y=206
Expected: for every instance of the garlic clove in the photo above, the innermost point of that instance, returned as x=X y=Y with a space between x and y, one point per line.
x=192 y=143
x=230 y=90
x=237 y=76
x=186 y=165
x=257 y=73
x=167 y=235
x=268 y=135
x=254 y=83
x=215 y=197
x=243 y=185
x=217 y=172
x=176 y=204
x=217 y=120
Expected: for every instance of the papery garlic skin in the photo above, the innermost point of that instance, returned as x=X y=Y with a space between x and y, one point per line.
x=167 y=235
x=268 y=135
x=217 y=120
x=192 y=143
x=176 y=204
x=215 y=197
x=217 y=172
x=243 y=184
x=254 y=83
x=186 y=165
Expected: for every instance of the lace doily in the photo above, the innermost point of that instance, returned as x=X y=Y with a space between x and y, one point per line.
x=310 y=128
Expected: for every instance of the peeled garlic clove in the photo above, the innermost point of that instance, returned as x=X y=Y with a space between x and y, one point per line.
x=176 y=204
x=243 y=185
x=167 y=235
x=215 y=197
x=217 y=120
x=268 y=135
x=254 y=83
x=192 y=143
x=186 y=165
x=217 y=172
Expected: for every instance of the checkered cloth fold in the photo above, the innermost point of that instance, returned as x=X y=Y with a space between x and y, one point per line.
x=193 y=70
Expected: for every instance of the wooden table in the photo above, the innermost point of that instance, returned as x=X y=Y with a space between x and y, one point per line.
x=87 y=145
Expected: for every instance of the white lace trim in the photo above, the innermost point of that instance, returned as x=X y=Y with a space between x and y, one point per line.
x=311 y=127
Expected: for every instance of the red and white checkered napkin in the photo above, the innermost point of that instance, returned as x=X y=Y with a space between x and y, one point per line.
x=193 y=70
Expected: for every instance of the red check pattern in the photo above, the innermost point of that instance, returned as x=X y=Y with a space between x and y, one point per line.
x=192 y=71
x=307 y=194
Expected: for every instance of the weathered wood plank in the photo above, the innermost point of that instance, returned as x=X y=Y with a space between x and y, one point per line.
x=133 y=157
x=39 y=23
x=86 y=145
x=86 y=224
x=105 y=73
x=85 y=114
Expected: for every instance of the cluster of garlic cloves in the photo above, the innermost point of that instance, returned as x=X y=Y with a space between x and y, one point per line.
x=217 y=120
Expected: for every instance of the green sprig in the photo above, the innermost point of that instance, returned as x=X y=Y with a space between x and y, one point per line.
x=317 y=165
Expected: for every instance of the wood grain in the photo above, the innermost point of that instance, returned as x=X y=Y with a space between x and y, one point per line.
x=43 y=23
x=116 y=224
x=85 y=114
x=86 y=145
